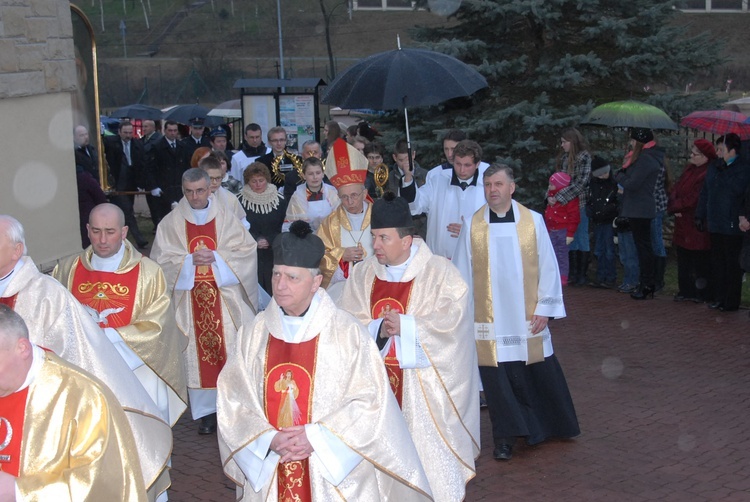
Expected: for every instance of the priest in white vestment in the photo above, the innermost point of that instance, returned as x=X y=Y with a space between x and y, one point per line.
x=66 y=437
x=448 y=200
x=346 y=231
x=210 y=265
x=416 y=307
x=305 y=409
x=506 y=257
x=126 y=293
x=58 y=322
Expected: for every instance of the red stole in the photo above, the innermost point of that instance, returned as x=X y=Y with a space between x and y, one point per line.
x=391 y=297
x=9 y=301
x=12 y=413
x=208 y=323
x=290 y=373
x=107 y=290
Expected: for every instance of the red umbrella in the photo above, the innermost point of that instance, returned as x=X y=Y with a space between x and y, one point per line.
x=718 y=122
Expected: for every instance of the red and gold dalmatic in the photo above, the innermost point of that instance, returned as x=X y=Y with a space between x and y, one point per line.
x=391 y=297
x=12 y=411
x=289 y=376
x=208 y=322
x=103 y=291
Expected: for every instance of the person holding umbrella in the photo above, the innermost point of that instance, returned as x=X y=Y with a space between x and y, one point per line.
x=638 y=180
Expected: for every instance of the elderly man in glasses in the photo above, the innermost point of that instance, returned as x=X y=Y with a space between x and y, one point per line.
x=346 y=231
x=210 y=265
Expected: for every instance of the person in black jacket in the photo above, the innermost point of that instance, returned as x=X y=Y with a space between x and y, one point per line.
x=86 y=155
x=601 y=208
x=719 y=209
x=638 y=180
x=166 y=161
x=125 y=158
x=196 y=138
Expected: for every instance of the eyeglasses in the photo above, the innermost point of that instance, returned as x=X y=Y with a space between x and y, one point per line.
x=190 y=193
x=354 y=196
x=214 y=178
x=695 y=154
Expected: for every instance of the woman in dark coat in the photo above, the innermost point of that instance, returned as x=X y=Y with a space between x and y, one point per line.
x=693 y=247
x=265 y=208
x=638 y=179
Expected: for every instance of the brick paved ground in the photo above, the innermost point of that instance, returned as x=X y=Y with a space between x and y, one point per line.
x=662 y=391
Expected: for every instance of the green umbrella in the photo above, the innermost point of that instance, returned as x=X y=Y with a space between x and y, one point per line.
x=629 y=114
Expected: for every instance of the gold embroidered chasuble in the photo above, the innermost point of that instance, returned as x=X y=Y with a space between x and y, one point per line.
x=441 y=401
x=84 y=450
x=236 y=247
x=351 y=398
x=150 y=330
x=330 y=233
x=58 y=322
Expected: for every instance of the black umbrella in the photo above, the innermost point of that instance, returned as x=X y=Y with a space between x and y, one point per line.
x=183 y=114
x=137 y=111
x=403 y=78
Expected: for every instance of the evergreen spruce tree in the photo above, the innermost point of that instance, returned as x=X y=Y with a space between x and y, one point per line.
x=548 y=62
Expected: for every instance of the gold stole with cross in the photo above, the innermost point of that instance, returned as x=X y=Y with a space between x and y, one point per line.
x=484 y=328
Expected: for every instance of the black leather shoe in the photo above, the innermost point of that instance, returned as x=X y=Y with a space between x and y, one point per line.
x=714 y=305
x=728 y=309
x=503 y=452
x=208 y=424
x=643 y=293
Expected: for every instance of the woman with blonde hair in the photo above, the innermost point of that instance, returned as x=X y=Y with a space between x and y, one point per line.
x=575 y=160
x=265 y=209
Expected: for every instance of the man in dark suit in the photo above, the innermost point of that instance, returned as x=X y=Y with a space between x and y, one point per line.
x=149 y=134
x=125 y=157
x=195 y=139
x=166 y=161
x=86 y=155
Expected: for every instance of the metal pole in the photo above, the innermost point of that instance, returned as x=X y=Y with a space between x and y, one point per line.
x=281 y=43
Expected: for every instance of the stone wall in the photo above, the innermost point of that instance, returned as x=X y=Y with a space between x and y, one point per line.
x=37 y=80
x=36 y=48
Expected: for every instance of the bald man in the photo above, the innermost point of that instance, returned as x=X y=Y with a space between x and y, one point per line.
x=58 y=322
x=126 y=293
x=86 y=155
x=58 y=448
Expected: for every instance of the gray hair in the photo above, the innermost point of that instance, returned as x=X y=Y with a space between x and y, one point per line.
x=314 y=271
x=310 y=142
x=12 y=326
x=496 y=168
x=195 y=174
x=14 y=231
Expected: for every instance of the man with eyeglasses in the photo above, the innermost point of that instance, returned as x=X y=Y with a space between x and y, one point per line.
x=285 y=166
x=228 y=200
x=346 y=231
x=210 y=265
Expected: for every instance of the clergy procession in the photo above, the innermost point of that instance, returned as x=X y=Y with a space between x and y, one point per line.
x=336 y=347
